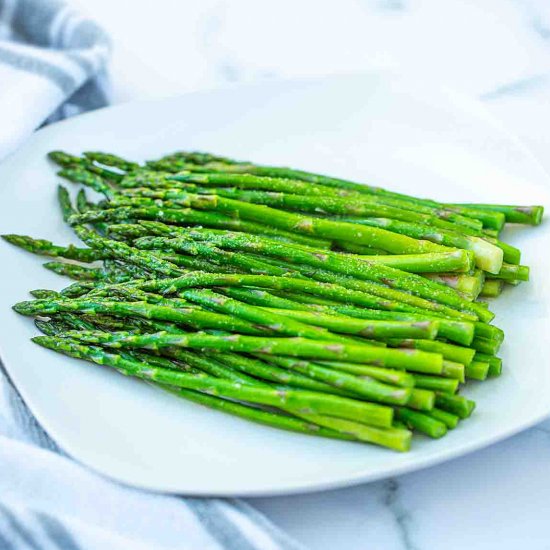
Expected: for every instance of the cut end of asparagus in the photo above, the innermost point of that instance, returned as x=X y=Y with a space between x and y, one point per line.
x=488 y=256
x=534 y=214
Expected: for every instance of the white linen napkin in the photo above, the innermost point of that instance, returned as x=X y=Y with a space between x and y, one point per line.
x=52 y=65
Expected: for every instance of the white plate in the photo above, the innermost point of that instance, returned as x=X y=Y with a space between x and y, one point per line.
x=372 y=127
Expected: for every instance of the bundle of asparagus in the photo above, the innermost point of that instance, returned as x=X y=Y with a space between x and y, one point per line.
x=293 y=299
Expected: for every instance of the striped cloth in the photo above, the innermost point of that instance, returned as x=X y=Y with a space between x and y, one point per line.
x=52 y=65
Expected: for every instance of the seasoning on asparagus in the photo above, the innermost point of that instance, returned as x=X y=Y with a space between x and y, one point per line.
x=292 y=299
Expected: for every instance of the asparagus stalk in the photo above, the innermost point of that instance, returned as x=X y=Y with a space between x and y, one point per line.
x=261 y=416
x=209 y=366
x=388 y=376
x=529 y=215
x=482 y=246
x=434 y=262
x=108 y=159
x=365 y=387
x=190 y=317
x=118 y=250
x=510 y=272
x=495 y=363
x=421 y=400
x=455 y=404
x=188 y=216
x=454 y=370
x=352 y=205
x=260 y=317
x=468 y=285
x=450 y=420
x=285 y=192
x=65 y=204
x=43 y=247
x=309 y=402
x=328 y=290
x=435 y=383
x=485 y=345
x=78 y=272
x=330 y=261
x=492 y=288
x=422 y=422
x=84 y=165
x=413 y=360
x=220 y=164
x=85 y=177
x=477 y=370
x=273 y=373
x=461 y=332
x=451 y=352
x=378 y=330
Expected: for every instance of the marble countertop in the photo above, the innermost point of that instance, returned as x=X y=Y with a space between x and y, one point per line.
x=496 y=50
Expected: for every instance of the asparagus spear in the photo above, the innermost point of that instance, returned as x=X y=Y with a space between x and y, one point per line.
x=328 y=290
x=495 y=363
x=385 y=207
x=330 y=261
x=492 y=288
x=190 y=317
x=485 y=345
x=477 y=370
x=422 y=422
x=85 y=177
x=309 y=402
x=43 y=247
x=451 y=352
x=455 y=404
x=482 y=246
x=365 y=387
x=461 y=332
x=450 y=420
x=413 y=360
x=530 y=215
x=435 y=262
x=389 y=376
x=108 y=159
x=260 y=416
x=116 y=249
x=378 y=330
x=435 y=383
x=188 y=216
x=273 y=373
x=220 y=164
x=65 y=204
x=402 y=299
x=282 y=190
x=510 y=272
x=353 y=430
x=74 y=271
x=373 y=237
x=260 y=317
x=468 y=285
